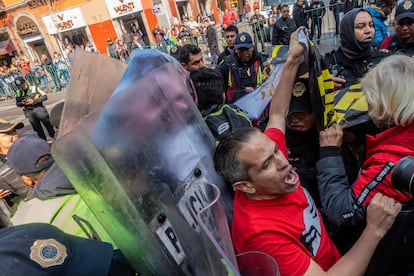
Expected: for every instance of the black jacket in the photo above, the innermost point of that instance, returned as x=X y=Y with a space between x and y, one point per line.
x=282 y=30
x=240 y=74
x=337 y=198
x=317 y=10
x=224 y=54
x=23 y=95
x=352 y=69
x=299 y=15
x=336 y=6
x=350 y=4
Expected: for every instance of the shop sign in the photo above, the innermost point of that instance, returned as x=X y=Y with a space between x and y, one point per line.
x=156 y=10
x=64 y=21
x=119 y=8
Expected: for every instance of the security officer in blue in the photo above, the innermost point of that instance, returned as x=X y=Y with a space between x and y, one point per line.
x=31 y=99
x=242 y=71
x=40 y=249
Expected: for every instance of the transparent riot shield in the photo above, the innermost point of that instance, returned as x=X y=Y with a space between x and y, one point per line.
x=93 y=79
x=213 y=225
x=147 y=224
x=128 y=160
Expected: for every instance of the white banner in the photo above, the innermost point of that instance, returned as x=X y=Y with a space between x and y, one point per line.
x=256 y=101
x=64 y=21
x=119 y=8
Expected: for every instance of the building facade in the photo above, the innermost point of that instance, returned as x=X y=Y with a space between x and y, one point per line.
x=35 y=27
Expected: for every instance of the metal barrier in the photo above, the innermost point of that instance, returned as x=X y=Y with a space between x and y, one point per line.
x=47 y=77
x=54 y=79
x=260 y=31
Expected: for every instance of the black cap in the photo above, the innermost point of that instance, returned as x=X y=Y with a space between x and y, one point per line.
x=300 y=101
x=25 y=152
x=405 y=10
x=19 y=82
x=243 y=40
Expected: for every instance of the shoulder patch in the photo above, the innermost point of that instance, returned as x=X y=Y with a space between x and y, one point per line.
x=48 y=253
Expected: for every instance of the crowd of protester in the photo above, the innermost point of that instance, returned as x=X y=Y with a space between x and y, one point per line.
x=343 y=211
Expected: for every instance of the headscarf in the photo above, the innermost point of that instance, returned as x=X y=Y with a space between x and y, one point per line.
x=349 y=44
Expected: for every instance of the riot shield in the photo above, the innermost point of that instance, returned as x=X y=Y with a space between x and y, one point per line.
x=203 y=209
x=128 y=160
x=93 y=79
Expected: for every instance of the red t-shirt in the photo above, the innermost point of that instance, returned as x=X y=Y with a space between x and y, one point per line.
x=288 y=228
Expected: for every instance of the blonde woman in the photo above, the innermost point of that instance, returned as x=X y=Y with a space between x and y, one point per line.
x=389 y=94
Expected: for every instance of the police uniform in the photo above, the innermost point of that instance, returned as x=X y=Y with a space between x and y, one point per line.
x=36 y=113
x=238 y=75
x=317 y=10
x=304 y=145
x=404 y=10
x=39 y=249
x=352 y=69
x=53 y=194
x=363 y=56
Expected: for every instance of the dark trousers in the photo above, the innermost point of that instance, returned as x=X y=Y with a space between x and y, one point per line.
x=37 y=116
x=337 y=22
x=316 y=22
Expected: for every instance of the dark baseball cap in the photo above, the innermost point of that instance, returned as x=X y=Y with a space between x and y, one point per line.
x=6 y=126
x=405 y=9
x=25 y=152
x=19 y=82
x=42 y=249
x=300 y=101
x=243 y=40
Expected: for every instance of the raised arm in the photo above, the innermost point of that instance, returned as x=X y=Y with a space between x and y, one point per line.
x=279 y=106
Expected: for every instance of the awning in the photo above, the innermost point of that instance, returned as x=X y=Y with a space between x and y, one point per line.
x=6 y=47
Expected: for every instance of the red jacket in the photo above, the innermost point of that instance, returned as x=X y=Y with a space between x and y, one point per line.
x=344 y=204
x=388 y=146
x=228 y=18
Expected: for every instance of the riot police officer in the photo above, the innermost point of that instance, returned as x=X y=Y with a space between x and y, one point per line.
x=31 y=98
x=356 y=55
